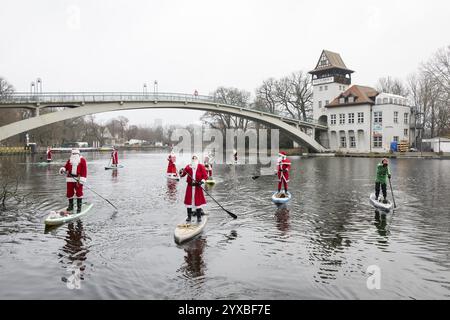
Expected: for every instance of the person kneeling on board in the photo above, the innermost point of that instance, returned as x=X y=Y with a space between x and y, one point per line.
x=114 y=157
x=282 y=171
x=208 y=165
x=194 y=198
x=76 y=169
x=383 y=173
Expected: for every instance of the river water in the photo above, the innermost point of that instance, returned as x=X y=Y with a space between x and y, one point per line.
x=325 y=244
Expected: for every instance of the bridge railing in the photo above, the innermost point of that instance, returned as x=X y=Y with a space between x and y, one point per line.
x=76 y=98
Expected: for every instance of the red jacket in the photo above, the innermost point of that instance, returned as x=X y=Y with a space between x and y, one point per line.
x=283 y=168
x=81 y=171
x=49 y=154
x=199 y=197
x=115 y=157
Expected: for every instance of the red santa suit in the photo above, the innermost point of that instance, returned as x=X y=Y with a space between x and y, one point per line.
x=171 y=168
x=75 y=166
x=283 y=167
x=208 y=166
x=194 y=197
x=115 y=157
x=49 y=154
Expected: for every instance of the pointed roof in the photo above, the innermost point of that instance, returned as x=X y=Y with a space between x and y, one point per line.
x=330 y=60
x=361 y=95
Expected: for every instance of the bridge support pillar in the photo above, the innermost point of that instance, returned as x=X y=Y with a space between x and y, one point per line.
x=36 y=112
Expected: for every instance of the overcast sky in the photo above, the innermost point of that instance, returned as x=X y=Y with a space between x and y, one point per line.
x=118 y=45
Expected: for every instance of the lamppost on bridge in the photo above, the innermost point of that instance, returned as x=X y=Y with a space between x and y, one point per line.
x=39 y=85
x=144 y=88
x=32 y=87
x=155 y=87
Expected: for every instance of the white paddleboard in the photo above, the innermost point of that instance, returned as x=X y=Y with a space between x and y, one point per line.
x=379 y=204
x=186 y=231
x=277 y=199
x=114 y=167
x=62 y=216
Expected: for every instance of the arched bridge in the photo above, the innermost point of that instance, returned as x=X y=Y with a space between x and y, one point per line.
x=82 y=104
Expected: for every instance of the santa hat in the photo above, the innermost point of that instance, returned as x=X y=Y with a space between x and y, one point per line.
x=75 y=151
x=282 y=154
x=194 y=155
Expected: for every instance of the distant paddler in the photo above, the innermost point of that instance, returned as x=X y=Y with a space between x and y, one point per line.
x=383 y=173
x=208 y=160
x=49 y=154
x=282 y=171
x=171 y=167
x=194 y=198
x=76 y=170
x=114 y=157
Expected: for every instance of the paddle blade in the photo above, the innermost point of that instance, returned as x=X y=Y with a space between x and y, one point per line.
x=255 y=177
x=231 y=214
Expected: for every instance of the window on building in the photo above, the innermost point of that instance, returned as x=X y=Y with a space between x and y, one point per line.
x=377 y=141
x=340 y=87
x=385 y=100
x=342 y=118
x=378 y=117
x=320 y=104
x=327 y=102
x=343 y=142
x=395 y=139
x=351 y=118
x=333 y=119
x=395 y=101
x=352 y=142
x=390 y=100
x=405 y=118
x=326 y=88
x=360 y=117
x=395 y=116
x=405 y=132
x=351 y=99
x=378 y=101
x=342 y=100
x=320 y=88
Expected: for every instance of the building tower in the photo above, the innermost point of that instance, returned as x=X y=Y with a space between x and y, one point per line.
x=329 y=79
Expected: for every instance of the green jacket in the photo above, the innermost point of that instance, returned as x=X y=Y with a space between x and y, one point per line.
x=382 y=173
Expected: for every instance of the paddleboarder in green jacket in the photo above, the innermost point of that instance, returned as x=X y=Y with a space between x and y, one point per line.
x=383 y=173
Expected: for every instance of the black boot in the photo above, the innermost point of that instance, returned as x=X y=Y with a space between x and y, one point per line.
x=70 y=207
x=189 y=213
x=199 y=215
x=79 y=202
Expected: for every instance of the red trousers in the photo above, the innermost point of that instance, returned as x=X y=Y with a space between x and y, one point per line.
x=282 y=182
x=74 y=188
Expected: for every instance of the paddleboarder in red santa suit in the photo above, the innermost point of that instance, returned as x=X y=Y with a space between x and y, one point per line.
x=75 y=169
x=283 y=167
x=115 y=157
x=208 y=165
x=49 y=154
x=194 y=198
x=171 y=167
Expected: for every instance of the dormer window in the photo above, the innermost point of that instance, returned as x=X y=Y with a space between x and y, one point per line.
x=351 y=99
x=385 y=100
x=342 y=100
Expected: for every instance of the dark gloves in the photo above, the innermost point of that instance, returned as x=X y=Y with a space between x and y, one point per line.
x=389 y=176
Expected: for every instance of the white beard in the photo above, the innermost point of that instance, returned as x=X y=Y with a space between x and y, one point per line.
x=194 y=165
x=74 y=161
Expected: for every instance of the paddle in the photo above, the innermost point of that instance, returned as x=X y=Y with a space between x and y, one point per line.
x=94 y=192
x=230 y=213
x=392 y=192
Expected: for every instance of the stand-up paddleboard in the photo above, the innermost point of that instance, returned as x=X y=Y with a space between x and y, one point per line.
x=210 y=181
x=62 y=216
x=172 y=176
x=113 y=167
x=281 y=197
x=379 y=204
x=186 y=231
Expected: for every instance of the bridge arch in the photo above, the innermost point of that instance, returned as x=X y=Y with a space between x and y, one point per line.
x=73 y=110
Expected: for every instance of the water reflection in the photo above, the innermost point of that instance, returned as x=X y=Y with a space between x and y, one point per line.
x=380 y=224
x=282 y=218
x=114 y=175
x=171 y=193
x=74 y=253
x=194 y=264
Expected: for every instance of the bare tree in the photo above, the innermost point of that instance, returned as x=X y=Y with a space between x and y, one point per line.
x=230 y=96
x=266 y=97
x=392 y=85
x=294 y=94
